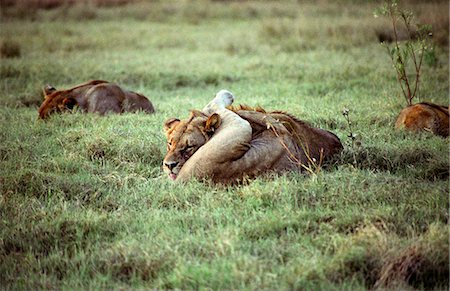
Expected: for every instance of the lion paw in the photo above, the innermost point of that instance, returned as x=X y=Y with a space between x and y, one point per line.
x=222 y=99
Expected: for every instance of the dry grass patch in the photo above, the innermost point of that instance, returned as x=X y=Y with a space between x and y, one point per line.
x=422 y=264
x=381 y=260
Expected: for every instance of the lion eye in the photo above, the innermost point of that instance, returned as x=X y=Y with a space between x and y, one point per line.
x=187 y=148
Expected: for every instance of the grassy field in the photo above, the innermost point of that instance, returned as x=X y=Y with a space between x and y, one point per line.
x=84 y=202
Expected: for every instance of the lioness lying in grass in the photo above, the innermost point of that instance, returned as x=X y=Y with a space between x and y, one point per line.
x=424 y=116
x=228 y=144
x=94 y=96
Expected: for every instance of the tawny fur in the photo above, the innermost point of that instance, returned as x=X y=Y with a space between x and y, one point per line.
x=273 y=141
x=94 y=96
x=425 y=116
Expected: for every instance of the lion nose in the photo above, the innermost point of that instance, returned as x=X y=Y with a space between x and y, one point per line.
x=170 y=165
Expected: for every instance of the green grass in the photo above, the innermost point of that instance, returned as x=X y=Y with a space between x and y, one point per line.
x=83 y=200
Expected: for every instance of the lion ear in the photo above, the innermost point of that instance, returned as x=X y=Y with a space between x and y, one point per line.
x=69 y=102
x=170 y=123
x=212 y=123
x=48 y=89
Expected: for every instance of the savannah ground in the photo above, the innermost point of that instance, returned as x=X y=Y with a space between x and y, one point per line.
x=84 y=202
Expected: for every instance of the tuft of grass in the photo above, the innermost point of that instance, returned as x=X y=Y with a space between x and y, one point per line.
x=383 y=262
x=361 y=255
x=422 y=264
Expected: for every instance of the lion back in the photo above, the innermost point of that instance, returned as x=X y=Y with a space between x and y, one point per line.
x=315 y=141
x=425 y=116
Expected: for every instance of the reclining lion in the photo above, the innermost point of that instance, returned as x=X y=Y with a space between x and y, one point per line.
x=424 y=116
x=226 y=145
x=94 y=96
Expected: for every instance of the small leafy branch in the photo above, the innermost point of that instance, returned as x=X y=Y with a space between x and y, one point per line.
x=412 y=49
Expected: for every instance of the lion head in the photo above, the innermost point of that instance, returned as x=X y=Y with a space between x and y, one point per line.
x=62 y=100
x=185 y=137
x=55 y=101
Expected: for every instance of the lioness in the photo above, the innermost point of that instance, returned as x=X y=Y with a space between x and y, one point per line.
x=424 y=116
x=94 y=96
x=227 y=145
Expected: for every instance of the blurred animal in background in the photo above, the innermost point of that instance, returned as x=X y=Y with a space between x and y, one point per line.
x=227 y=144
x=424 y=116
x=94 y=96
